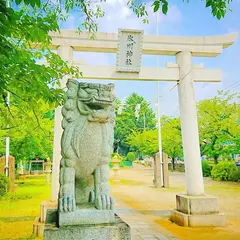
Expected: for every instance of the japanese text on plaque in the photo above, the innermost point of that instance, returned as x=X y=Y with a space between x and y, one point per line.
x=130 y=43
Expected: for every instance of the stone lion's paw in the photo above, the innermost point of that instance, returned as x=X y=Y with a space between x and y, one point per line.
x=67 y=204
x=104 y=202
x=91 y=196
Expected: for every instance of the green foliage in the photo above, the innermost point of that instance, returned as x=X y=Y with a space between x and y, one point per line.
x=224 y=171
x=219 y=127
x=4 y=184
x=145 y=142
x=22 y=29
x=110 y=165
x=31 y=134
x=171 y=137
x=206 y=169
x=126 y=123
x=121 y=164
x=131 y=156
x=218 y=7
x=127 y=163
x=234 y=176
x=119 y=157
x=156 y=5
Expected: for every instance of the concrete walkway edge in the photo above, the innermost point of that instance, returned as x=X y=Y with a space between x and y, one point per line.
x=141 y=227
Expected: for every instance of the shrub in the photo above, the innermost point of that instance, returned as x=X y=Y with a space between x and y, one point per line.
x=206 y=169
x=234 y=176
x=131 y=156
x=128 y=163
x=121 y=164
x=4 y=185
x=118 y=156
x=110 y=165
x=224 y=171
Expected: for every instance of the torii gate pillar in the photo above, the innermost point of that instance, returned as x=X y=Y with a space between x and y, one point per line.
x=189 y=126
x=194 y=209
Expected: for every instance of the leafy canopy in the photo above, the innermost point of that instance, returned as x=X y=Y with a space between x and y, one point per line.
x=31 y=133
x=126 y=122
x=147 y=141
x=219 y=125
x=218 y=7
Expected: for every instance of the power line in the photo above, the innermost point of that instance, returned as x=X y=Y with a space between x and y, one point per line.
x=234 y=88
x=232 y=85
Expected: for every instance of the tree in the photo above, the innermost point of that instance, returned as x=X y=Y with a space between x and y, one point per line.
x=31 y=133
x=219 y=125
x=171 y=138
x=21 y=29
x=147 y=141
x=127 y=122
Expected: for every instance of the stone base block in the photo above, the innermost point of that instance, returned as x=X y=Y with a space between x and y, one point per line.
x=86 y=215
x=197 y=211
x=186 y=220
x=197 y=204
x=117 y=231
x=45 y=205
x=38 y=227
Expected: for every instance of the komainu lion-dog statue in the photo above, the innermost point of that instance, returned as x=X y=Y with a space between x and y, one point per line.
x=86 y=146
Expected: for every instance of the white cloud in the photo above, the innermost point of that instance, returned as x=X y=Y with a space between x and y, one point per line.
x=118 y=15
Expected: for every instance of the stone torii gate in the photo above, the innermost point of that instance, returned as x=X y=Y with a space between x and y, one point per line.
x=194 y=208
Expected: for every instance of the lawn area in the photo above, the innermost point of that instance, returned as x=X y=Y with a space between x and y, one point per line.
x=19 y=209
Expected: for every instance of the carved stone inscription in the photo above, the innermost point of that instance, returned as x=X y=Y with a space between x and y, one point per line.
x=129 y=52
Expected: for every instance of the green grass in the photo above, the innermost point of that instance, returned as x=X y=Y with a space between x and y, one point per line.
x=19 y=209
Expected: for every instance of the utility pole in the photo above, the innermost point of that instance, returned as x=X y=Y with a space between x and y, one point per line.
x=7 y=139
x=159 y=115
x=144 y=120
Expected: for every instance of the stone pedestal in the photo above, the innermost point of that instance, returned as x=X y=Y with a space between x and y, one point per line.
x=165 y=170
x=158 y=173
x=85 y=215
x=39 y=222
x=48 y=170
x=197 y=211
x=11 y=170
x=45 y=205
x=117 y=231
x=115 y=168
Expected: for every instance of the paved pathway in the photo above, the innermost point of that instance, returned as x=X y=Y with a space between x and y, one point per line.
x=141 y=227
x=135 y=189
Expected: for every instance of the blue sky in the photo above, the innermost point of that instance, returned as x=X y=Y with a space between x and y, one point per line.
x=188 y=19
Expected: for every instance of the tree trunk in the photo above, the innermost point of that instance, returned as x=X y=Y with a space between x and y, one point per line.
x=173 y=163
x=216 y=159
